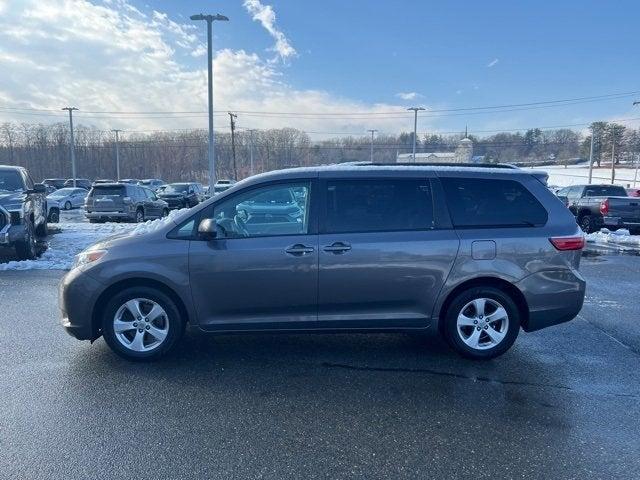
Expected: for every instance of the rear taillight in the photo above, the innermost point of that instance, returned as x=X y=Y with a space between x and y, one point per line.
x=568 y=243
x=604 y=207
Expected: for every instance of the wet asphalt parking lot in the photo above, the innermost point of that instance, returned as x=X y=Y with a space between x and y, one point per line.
x=563 y=403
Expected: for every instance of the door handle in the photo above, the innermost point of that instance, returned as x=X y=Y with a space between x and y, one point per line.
x=299 y=249
x=337 y=247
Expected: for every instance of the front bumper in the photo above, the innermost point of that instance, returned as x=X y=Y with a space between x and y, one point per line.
x=10 y=234
x=553 y=297
x=77 y=295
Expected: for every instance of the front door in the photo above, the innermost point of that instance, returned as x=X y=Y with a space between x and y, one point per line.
x=383 y=259
x=261 y=270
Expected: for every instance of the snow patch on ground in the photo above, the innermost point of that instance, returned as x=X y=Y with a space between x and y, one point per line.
x=76 y=236
x=620 y=237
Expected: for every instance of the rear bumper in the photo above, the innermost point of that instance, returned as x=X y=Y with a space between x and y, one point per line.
x=110 y=215
x=77 y=295
x=620 y=222
x=553 y=297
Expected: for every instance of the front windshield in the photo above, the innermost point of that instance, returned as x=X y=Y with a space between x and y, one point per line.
x=176 y=188
x=10 y=181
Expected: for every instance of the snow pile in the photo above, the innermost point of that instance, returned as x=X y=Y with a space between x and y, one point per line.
x=74 y=237
x=620 y=237
x=155 y=225
x=64 y=246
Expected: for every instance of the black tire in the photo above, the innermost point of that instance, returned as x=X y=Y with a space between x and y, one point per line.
x=67 y=205
x=586 y=223
x=176 y=324
x=139 y=216
x=450 y=327
x=54 y=216
x=27 y=249
x=42 y=230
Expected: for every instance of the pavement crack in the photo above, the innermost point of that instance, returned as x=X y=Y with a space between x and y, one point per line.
x=445 y=374
x=467 y=377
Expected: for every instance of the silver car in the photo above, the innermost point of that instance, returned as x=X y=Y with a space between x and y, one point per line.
x=475 y=254
x=68 y=198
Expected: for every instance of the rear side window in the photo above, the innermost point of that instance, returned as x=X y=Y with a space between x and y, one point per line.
x=378 y=205
x=478 y=203
x=605 y=191
x=111 y=191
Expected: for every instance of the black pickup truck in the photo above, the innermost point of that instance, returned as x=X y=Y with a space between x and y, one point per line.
x=23 y=211
x=597 y=206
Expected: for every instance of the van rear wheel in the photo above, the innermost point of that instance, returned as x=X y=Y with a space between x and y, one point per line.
x=481 y=323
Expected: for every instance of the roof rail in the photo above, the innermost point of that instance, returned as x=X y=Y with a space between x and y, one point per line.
x=430 y=164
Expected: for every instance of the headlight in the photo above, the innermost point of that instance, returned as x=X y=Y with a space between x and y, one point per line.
x=89 y=256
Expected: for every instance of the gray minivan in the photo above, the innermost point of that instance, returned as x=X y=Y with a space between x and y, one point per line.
x=473 y=253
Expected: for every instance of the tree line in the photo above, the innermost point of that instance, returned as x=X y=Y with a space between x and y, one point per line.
x=182 y=155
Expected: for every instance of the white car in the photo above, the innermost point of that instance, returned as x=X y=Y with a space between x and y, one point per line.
x=68 y=198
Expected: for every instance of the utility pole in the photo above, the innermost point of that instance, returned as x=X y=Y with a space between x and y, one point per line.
x=415 y=128
x=372 y=133
x=591 y=157
x=232 y=118
x=251 y=132
x=613 y=153
x=635 y=176
x=211 y=151
x=117 y=132
x=71 y=144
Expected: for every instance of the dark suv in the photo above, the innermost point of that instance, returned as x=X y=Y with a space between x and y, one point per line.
x=23 y=211
x=473 y=253
x=181 y=195
x=123 y=202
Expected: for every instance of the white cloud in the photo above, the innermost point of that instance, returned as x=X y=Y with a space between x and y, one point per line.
x=493 y=63
x=408 y=95
x=267 y=17
x=110 y=57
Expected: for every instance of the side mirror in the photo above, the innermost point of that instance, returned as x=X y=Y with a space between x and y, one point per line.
x=38 y=188
x=208 y=229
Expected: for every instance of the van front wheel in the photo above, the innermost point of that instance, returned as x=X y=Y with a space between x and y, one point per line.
x=481 y=323
x=141 y=323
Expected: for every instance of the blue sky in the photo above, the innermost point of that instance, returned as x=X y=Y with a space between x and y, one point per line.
x=377 y=56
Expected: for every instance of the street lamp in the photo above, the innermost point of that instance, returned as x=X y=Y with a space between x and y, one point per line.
x=415 y=128
x=635 y=176
x=212 y=159
x=373 y=131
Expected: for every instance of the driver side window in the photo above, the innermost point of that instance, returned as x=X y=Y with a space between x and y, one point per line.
x=272 y=210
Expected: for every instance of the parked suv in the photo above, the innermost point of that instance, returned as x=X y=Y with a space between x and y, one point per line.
x=181 y=195
x=23 y=211
x=473 y=253
x=123 y=202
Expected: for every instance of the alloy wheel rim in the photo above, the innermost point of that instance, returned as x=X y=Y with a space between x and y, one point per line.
x=482 y=323
x=141 y=325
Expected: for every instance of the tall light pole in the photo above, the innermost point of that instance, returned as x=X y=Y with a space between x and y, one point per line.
x=251 y=132
x=635 y=176
x=373 y=131
x=211 y=154
x=415 y=128
x=613 y=153
x=593 y=132
x=232 y=119
x=117 y=132
x=71 y=144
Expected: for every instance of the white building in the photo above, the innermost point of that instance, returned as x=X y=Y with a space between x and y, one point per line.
x=462 y=154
